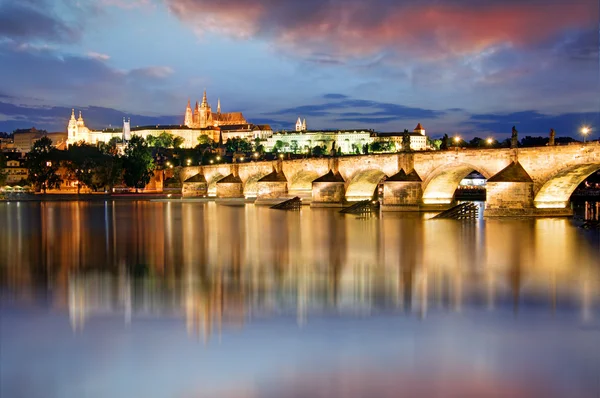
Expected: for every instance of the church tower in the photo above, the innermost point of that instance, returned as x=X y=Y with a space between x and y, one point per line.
x=205 y=113
x=299 y=124
x=304 y=125
x=188 y=119
x=219 y=106
x=127 y=128
x=419 y=129
x=72 y=128
x=196 y=116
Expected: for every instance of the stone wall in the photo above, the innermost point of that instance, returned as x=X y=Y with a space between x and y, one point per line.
x=194 y=189
x=230 y=190
x=509 y=195
x=272 y=189
x=402 y=194
x=328 y=193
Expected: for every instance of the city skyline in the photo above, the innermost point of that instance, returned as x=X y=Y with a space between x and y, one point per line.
x=458 y=67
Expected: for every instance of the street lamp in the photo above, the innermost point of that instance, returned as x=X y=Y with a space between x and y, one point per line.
x=490 y=141
x=585 y=131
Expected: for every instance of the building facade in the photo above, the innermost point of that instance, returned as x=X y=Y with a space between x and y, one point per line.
x=198 y=122
x=348 y=141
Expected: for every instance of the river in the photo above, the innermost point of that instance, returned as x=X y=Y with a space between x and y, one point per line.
x=168 y=299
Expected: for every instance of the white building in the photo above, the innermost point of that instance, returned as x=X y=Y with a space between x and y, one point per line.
x=77 y=131
x=302 y=141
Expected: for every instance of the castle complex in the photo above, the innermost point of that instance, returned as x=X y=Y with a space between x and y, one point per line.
x=203 y=117
x=202 y=121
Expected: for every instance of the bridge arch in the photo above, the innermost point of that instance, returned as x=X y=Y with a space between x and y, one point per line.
x=302 y=180
x=557 y=190
x=212 y=183
x=439 y=186
x=251 y=184
x=363 y=184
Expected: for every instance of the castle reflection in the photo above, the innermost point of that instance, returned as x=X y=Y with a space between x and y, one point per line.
x=222 y=266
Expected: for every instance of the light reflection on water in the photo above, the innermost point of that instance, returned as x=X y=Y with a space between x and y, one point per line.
x=339 y=295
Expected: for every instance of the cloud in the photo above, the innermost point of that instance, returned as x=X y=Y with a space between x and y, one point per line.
x=34 y=20
x=155 y=72
x=335 y=96
x=533 y=123
x=55 y=118
x=98 y=56
x=355 y=28
x=369 y=109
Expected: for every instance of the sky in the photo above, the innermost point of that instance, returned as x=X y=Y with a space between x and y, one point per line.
x=468 y=67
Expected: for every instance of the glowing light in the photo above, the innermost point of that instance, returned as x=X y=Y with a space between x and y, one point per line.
x=457 y=139
x=212 y=161
x=490 y=141
x=218 y=158
x=585 y=130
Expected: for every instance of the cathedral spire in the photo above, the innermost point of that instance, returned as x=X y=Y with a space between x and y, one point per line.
x=80 y=117
x=189 y=104
x=219 y=105
x=72 y=114
x=204 y=100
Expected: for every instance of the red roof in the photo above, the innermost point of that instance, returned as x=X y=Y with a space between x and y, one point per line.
x=419 y=127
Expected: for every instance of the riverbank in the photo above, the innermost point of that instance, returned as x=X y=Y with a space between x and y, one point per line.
x=86 y=197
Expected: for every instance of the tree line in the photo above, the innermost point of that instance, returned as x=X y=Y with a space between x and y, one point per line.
x=100 y=167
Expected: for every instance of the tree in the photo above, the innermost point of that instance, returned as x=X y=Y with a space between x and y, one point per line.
x=3 y=171
x=476 y=143
x=529 y=141
x=42 y=162
x=109 y=172
x=138 y=163
x=178 y=142
x=82 y=161
x=238 y=145
x=444 y=144
x=294 y=146
x=205 y=140
x=278 y=146
x=380 y=146
x=317 y=151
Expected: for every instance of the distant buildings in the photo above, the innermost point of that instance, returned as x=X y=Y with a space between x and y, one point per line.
x=197 y=122
x=349 y=141
x=23 y=139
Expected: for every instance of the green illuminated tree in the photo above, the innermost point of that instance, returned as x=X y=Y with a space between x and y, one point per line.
x=138 y=163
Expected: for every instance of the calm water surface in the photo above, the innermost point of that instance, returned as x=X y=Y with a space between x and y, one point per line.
x=141 y=299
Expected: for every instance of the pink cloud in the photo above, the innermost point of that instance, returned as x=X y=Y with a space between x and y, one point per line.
x=353 y=28
x=98 y=56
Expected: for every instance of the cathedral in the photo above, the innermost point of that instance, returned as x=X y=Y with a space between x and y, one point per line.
x=203 y=117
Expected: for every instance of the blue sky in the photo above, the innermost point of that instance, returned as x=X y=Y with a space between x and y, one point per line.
x=466 y=66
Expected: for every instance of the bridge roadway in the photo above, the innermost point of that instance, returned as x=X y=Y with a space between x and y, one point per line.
x=524 y=181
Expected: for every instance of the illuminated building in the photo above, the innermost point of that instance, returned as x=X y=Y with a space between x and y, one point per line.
x=197 y=122
x=349 y=141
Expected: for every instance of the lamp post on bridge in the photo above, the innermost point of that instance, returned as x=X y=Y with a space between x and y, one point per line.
x=585 y=131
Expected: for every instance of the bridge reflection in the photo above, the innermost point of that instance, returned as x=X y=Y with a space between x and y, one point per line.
x=220 y=266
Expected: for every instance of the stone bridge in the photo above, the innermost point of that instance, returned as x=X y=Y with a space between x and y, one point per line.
x=523 y=181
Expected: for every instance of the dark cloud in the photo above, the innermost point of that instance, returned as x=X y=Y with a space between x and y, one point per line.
x=25 y=20
x=368 y=109
x=335 y=96
x=535 y=123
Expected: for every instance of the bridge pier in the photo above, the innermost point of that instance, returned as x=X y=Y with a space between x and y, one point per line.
x=272 y=186
x=402 y=192
x=195 y=187
x=230 y=187
x=328 y=190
